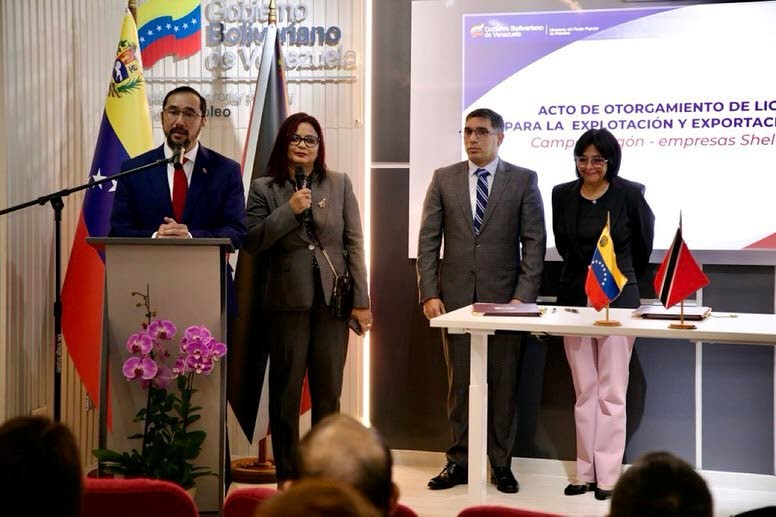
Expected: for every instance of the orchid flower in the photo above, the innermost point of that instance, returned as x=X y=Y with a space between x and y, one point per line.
x=140 y=343
x=199 y=364
x=217 y=350
x=143 y=367
x=198 y=349
x=196 y=333
x=180 y=367
x=162 y=329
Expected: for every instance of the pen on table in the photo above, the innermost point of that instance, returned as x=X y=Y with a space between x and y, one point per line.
x=571 y=309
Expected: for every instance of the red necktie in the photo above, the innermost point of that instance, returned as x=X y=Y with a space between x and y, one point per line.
x=179 y=188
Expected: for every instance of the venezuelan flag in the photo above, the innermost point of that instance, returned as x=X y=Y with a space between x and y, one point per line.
x=604 y=279
x=125 y=132
x=169 y=27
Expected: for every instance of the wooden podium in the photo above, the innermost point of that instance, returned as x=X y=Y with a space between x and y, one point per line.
x=187 y=280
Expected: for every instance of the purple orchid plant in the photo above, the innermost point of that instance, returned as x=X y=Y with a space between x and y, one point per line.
x=199 y=351
x=168 y=446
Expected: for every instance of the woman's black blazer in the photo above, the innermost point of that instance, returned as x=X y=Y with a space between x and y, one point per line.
x=632 y=231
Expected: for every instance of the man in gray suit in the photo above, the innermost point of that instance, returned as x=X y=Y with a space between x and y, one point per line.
x=485 y=210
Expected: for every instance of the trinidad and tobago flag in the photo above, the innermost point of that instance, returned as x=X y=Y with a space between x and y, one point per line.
x=169 y=28
x=678 y=275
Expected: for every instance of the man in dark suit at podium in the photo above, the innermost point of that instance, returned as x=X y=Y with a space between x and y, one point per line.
x=202 y=197
x=489 y=214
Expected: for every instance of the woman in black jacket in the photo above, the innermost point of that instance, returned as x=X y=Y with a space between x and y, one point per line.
x=599 y=365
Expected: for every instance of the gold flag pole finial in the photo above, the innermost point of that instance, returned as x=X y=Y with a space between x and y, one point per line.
x=273 y=12
x=132 y=6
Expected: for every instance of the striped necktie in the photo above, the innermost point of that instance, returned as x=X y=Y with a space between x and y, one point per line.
x=482 y=198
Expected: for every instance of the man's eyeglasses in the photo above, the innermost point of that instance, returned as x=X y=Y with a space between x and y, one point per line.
x=595 y=161
x=481 y=132
x=188 y=115
x=309 y=140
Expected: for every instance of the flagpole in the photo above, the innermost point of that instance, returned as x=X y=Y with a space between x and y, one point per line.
x=606 y=322
x=266 y=467
x=681 y=325
x=260 y=469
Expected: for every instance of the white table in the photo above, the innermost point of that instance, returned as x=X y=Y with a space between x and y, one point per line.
x=718 y=328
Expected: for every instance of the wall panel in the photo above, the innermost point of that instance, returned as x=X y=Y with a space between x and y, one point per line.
x=55 y=61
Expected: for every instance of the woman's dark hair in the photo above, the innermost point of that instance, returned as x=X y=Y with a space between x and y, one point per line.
x=39 y=456
x=606 y=144
x=278 y=159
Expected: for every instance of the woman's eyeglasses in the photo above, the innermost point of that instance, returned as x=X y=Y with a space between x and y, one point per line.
x=309 y=140
x=595 y=161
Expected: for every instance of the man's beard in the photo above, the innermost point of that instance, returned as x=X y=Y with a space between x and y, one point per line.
x=173 y=144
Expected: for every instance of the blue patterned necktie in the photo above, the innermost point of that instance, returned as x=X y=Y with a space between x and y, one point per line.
x=481 y=198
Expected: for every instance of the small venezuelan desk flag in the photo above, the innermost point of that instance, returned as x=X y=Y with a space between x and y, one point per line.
x=604 y=279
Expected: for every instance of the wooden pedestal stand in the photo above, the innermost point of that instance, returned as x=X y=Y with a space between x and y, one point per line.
x=682 y=325
x=607 y=322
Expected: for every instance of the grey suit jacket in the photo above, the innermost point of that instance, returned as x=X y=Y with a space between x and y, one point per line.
x=504 y=261
x=274 y=228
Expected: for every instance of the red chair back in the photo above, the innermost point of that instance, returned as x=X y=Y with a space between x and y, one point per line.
x=134 y=498
x=243 y=502
x=403 y=511
x=502 y=511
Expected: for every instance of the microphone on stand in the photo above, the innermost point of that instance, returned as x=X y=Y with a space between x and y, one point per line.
x=302 y=181
x=177 y=155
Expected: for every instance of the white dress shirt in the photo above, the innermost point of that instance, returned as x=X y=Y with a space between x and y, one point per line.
x=188 y=167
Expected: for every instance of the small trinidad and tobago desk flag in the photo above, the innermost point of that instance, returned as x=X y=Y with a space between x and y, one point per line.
x=604 y=279
x=678 y=275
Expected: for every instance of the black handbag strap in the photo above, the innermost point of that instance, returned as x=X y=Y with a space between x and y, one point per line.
x=317 y=242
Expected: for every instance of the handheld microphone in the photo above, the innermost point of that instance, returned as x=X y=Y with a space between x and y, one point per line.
x=177 y=156
x=301 y=180
x=300 y=177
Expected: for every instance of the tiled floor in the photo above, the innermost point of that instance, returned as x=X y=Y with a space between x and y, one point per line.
x=541 y=488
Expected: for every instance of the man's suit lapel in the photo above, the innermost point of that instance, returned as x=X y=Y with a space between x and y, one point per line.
x=500 y=182
x=159 y=187
x=462 y=186
x=200 y=180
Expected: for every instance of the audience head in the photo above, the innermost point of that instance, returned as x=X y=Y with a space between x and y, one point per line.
x=342 y=449
x=318 y=498
x=660 y=484
x=39 y=454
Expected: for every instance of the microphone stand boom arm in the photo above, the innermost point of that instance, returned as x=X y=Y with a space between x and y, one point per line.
x=57 y=204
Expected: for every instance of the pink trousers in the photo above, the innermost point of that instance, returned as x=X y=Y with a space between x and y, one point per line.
x=599 y=367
